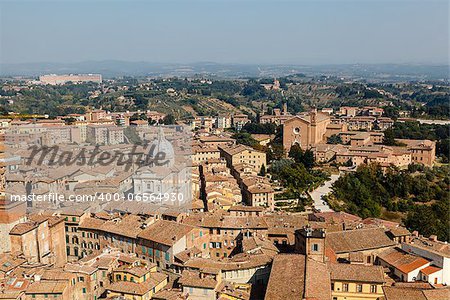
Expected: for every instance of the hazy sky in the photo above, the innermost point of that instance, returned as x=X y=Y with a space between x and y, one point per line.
x=302 y=32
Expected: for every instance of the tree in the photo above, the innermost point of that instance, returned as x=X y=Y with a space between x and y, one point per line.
x=302 y=157
x=389 y=139
x=169 y=120
x=262 y=171
x=334 y=139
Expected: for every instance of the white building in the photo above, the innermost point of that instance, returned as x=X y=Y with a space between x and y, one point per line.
x=437 y=252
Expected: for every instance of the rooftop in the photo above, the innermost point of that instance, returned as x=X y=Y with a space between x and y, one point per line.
x=358 y=240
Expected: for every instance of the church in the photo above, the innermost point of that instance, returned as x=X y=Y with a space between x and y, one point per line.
x=167 y=184
x=305 y=130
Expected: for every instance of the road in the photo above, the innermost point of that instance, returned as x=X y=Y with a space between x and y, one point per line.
x=317 y=194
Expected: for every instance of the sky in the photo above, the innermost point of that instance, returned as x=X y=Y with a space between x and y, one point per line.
x=225 y=31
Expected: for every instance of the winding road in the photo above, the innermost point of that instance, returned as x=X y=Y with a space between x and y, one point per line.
x=317 y=194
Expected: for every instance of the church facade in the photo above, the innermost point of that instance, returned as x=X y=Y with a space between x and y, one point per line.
x=305 y=130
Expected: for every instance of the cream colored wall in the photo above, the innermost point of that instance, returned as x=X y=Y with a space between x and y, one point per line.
x=352 y=294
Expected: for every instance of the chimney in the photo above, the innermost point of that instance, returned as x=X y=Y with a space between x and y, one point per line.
x=285 y=111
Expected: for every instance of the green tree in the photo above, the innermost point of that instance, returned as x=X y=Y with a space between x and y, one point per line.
x=334 y=139
x=169 y=120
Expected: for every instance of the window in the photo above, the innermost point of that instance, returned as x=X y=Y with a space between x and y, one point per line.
x=74 y=219
x=204 y=245
x=167 y=256
x=143 y=249
x=157 y=253
x=373 y=288
x=359 y=288
x=125 y=278
x=332 y=286
x=118 y=277
x=315 y=247
x=84 y=290
x=201 y=233
x=345 y=287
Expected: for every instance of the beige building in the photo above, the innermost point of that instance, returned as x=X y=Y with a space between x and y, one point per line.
x=356 y=282
x=258 y=192
x=422 y=151
x=306 y=130
x=104 y=135
x=239 y=154
x=74 y=78
x=201 y=153
x=41 y=240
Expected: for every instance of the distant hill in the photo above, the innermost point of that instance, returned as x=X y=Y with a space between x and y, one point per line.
x=114 y=68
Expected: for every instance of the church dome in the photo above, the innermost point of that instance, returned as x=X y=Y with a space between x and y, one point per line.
x=161 y=144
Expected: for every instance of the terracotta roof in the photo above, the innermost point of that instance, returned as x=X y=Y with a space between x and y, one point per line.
x=165 y=232
x=91 y=223
x=227 y=288
x=8 y=262
x=287 y=277
x=47 y=287
x=246 y=208
x=401 y=260
x=136 y=271
x=430 y=270
x=189 y=278
x=23 y=228
x=412 y=293
x=129 y=226
x=127 y=287
x=318 y=281
x=356 y=273
x=399 y=231
x=238 y=262
x=437 y=294
x=168 y=295
x=8 y=294
x=227 y=222
x=358 y=240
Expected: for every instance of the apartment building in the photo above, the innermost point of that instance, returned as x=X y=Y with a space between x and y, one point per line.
x=356 y=282
x=239 y=154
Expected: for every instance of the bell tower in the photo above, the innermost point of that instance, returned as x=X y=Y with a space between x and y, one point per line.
x=311 y=242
